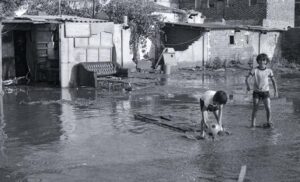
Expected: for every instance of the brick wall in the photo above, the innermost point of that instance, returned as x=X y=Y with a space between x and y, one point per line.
x=297 y=13
x=269 y=13
x=187 y=4
x=234 y=10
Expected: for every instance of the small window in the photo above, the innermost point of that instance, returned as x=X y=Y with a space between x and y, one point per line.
x=247 y=39
x=231 y=39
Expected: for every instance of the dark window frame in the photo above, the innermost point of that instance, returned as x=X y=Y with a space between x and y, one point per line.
x=231 y=40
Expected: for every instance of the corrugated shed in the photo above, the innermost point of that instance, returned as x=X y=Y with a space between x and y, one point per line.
x=40 y=19
x=214 y=26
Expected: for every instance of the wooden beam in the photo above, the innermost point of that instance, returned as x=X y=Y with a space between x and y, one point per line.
x=242 y=173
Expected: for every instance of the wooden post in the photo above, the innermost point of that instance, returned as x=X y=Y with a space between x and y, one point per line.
x=203 y=49
x=59 y=7
x=93 y=15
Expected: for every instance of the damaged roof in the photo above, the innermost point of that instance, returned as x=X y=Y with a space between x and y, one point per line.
x=218 y=26
x=41 y=19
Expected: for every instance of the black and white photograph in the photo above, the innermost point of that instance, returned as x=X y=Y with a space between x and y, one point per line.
x=150 y=91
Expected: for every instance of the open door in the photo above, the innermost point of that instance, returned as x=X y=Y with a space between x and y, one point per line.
x=21 y=65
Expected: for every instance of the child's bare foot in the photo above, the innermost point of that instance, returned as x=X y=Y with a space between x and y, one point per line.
x=201 y=137
x=268 y=125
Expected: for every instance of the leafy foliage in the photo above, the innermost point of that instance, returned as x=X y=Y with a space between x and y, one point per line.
x=51 y=8
x=7 y=7
x=139 y=13
x=142 y=22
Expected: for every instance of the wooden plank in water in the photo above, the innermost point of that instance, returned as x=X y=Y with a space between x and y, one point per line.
x=242 y=173
x=173 y=123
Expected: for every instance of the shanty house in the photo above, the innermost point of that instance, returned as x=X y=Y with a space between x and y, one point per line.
x=48 y=47
x=200 y=43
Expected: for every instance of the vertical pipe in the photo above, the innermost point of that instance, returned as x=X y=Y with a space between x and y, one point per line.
x=122 y=49
x=59 y=7
x=259 y=37
x=203 y=50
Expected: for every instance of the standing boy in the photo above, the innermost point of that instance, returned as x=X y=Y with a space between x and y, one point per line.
x=261 y=92
x=212 y=101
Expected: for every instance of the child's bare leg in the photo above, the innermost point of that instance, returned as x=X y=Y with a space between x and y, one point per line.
x=217 y=118
x=267 y=103
x=202 y=128
x=254 y=111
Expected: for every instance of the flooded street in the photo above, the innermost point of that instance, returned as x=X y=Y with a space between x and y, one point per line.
x=53 y=134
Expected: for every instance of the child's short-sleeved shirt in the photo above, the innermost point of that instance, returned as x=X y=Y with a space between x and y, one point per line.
x=207 y=97
x=261 y=79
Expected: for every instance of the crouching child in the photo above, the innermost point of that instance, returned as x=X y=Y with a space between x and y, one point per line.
x=213 y=102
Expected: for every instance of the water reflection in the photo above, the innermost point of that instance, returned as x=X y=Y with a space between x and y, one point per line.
x=3 y=136
x=63 y=134
x=30 y=123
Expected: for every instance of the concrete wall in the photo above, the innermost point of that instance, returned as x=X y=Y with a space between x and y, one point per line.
x=195 y=54
x=188 y=44
x=280 y=14
x=247 y=44
x=242 y=49
x=83 y=42
x=168 y=3
x=121 y=43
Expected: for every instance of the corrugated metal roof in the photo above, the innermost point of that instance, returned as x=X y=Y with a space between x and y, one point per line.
x=216 y=26
x=40 y=19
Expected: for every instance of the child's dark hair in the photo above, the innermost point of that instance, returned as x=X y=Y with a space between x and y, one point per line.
x=262 y=56
x=220 y=97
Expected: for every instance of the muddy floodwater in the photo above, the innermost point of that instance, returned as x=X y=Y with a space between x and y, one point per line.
x=66 y=135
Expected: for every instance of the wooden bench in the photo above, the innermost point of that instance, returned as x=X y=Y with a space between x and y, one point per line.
x=91 y=74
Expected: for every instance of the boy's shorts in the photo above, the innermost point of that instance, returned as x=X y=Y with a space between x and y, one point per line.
x=261 y=95
x=209 y=107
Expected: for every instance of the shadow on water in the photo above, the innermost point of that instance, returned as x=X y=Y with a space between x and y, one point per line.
x=77 y=134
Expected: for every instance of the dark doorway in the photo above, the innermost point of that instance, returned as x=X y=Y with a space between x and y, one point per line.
x=20 y=53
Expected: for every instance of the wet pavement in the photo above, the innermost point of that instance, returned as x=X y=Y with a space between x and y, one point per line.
x=52 y=134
